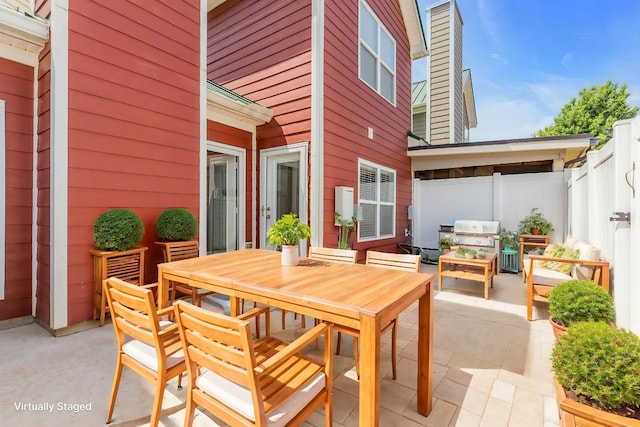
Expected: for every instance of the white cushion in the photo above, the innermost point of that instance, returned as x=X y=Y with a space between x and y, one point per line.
x=545 y=276
x=146 y=354
x=571 y=241
x=587 y=251
x=239 y=398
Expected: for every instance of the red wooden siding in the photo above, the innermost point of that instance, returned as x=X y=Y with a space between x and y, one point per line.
x=133 y=123
x=237 y=138
x=351 y=107
x=262 y=50
x=16 y=89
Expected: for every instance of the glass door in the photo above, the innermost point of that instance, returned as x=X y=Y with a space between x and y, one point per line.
x=283 y=190
x=222 y=203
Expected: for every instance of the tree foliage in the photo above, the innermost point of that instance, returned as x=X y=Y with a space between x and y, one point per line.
x=595 y=111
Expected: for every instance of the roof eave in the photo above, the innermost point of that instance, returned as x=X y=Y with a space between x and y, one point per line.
x=413 y=25
x=21 y=32
x=222 y=107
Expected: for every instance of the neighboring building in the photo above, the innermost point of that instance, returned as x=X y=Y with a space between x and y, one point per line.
x=443 y=105
x=239 y=113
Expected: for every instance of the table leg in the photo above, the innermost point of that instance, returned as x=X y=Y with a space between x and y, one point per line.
x=439 y=274
x=425 y=352
x=369 y=371
x=486 y=281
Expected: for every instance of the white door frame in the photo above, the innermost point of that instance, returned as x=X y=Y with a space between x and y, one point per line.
x=301 y=149
x=241 y=153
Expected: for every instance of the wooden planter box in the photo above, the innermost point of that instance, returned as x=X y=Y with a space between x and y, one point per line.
x=126 y=265
x=575 y=414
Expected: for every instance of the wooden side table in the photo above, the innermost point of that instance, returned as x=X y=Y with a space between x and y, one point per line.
x=531 y=240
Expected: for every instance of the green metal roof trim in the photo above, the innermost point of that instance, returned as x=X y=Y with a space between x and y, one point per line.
x=424 y=37
x=419 y=93
x=215 y=87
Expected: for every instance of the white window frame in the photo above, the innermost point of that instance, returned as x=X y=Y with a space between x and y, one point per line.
x=377 y=203
x=375 y=52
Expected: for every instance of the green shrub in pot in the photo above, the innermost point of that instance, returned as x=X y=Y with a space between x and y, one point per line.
x=578 y=301
x=176 y=224
x=117 y=230
x=600 y=364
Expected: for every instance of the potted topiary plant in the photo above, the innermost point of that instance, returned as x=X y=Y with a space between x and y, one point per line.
x=176 y=224
x=286 y=233
x=117 y=234
x=535 y=223
x=177 y=228
x=596 y=375
x=576 y=301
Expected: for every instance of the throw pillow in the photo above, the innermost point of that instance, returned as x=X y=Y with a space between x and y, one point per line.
x=558 y=250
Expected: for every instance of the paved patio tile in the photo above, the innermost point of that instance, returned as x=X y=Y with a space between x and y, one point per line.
x=491 y=368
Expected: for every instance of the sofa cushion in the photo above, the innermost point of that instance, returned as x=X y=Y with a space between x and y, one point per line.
x=587 y=251
x=558 y=250
x=545 y=276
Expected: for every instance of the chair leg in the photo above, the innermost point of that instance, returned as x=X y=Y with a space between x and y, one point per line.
x=339 y=340
x=191 y=409
x=394 y=333
x=157 y=401
x=103 y=307
x=114 y=389
x=356 y=356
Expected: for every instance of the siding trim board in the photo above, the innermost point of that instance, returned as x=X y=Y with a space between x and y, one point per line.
x=316 y=196
x=3 y=187
x=59 y=165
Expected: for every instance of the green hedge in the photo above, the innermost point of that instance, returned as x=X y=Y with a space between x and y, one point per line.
x=176 y=224
x=117 y=230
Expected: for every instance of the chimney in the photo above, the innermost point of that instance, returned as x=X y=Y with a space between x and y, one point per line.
x=445 y=107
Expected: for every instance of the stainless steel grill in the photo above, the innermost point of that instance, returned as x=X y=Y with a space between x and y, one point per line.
x=475 y=233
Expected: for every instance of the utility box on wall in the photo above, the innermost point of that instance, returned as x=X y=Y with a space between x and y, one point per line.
x=344 y=203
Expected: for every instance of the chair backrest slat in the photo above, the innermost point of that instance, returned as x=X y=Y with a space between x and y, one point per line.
x=335 y=255
x=395 y=261
x=182 y=250
x=132 y=310
x=218 y=343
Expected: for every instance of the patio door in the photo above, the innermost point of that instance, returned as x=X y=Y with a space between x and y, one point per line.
x=222 y=203
x=283 y=187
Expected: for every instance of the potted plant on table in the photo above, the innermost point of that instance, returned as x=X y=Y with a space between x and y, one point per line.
x=535 y=223
x=576 y=301
x=596 y=376
x=117 y=234
x=508 y=240
x=286 y=233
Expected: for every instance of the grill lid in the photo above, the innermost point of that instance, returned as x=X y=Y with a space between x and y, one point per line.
x=469 y=226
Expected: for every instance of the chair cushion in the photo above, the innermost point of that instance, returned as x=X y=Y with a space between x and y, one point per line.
x=558 y=250
x=239 y=398
x=545 y=276
x=146 y=354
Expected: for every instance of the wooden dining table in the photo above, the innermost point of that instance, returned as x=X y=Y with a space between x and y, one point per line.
x=354 y=295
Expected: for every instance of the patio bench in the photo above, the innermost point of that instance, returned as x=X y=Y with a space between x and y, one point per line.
x=573 y=259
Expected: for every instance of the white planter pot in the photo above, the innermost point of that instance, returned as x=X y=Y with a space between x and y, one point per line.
x=290 y=255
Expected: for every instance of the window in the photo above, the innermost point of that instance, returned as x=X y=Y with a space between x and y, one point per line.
x=377 y=54
x=377 y=200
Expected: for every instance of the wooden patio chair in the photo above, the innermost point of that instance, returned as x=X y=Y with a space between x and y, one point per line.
x=147 y=345
x=327 y=254
x=251 y=383
x=176 y=251
x=386 y=260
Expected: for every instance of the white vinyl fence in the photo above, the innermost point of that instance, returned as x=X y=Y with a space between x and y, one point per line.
x=579 y=201
x=605 y=185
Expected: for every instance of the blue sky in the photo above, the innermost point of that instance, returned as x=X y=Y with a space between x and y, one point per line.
x=528 y=58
